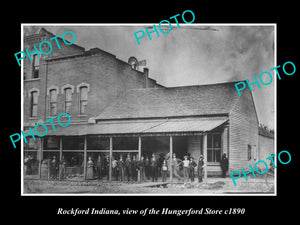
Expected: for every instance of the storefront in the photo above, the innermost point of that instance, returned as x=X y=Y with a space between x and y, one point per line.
x=110 y=140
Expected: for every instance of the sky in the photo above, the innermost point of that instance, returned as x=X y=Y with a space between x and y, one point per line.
x=193 y=54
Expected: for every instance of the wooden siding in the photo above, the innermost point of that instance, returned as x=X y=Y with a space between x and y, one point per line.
x=195 y=146
x=266 y=147
x=243 y=131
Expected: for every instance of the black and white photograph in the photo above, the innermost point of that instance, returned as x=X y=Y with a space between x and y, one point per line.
x=150 y=113
x=149 y=109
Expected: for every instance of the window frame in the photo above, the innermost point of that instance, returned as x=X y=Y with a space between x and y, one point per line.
x=68 y=100
x=35 y=67
x=214 y=149
x=52 y=102
x=81 y=101
x=33 y=104
x=249 y=152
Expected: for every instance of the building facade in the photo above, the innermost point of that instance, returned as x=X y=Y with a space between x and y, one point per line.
x=117 y=110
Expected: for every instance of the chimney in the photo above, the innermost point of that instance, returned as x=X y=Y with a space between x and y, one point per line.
x=146 y=72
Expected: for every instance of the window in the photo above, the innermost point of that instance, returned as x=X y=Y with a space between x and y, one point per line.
x=36 y=66
x=83 y=99
x=53 y=97
x=68 y=100
x=72 y=143
x=125 y=143
x=33 y=103
x=249 y=152
x=97 y=143
x=214 y=147
x=51 y=143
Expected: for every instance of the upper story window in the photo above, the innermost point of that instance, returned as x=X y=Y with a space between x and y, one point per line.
x=53 y=104
x=68 y=91
x=35 y=66
x=83 y=99
x=33 y=103
x=68 y=100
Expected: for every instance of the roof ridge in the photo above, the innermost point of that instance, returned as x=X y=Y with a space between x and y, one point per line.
x=186 y=86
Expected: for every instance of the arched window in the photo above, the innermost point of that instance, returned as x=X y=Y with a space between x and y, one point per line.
x=82 y=90
x=83 y=99
x=53 y=104
x=68 y=99
x=36 y=66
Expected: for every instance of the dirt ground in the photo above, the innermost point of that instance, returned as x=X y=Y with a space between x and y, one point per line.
x=258 y=185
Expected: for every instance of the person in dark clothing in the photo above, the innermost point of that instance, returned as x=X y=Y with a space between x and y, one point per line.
x=62 y=168
x=153 y=165
x=141 y=168
x=128 y=169
x=121 y=167
x=99 y=165
x=134 y=168
x=53 y=168
x=224 y=165
x=164 y=170
x=73 y=161
x=200 y=168
x=147 y=168
x=107 y=162
x=192 y=166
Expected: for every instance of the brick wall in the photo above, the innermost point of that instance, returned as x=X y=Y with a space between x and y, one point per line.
x=105 y=75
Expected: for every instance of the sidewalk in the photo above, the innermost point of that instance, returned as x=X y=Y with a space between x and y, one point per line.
x=208 y=186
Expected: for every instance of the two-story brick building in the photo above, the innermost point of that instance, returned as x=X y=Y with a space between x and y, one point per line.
x=116 y=109
x=72 y=80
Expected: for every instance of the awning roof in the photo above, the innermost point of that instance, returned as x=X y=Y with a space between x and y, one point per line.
x=136 y=127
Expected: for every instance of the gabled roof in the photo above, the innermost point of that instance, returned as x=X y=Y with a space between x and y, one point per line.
x=212 y=99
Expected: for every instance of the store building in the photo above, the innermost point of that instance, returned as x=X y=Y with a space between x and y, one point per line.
x=118 y=110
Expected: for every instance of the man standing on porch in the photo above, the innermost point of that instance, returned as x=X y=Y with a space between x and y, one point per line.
x=186 y=163
x=128 y=167
x=99 y=165
x=200 y=168
x=121 y=167
x=153 y=165
x=224 y=165
x=175 y=166
x=141 y=167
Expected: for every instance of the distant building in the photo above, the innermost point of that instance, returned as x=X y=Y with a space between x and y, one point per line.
x=118 y=110
x=265 y=142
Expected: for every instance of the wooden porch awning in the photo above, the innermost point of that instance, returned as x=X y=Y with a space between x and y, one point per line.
x=137 y=127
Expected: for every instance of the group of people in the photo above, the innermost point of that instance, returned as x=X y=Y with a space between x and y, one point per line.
x=146 y=168
x=57 y=168
x=130 y=168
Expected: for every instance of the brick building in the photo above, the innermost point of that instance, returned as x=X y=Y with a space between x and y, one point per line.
x=116 y=109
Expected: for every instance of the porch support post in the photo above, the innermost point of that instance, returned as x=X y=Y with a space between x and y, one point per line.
x=205 y=153
x=60 y=148
x=84 y=157
x=110 y=157
x=40 y=157
x=139 y=156
x=170 y=163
